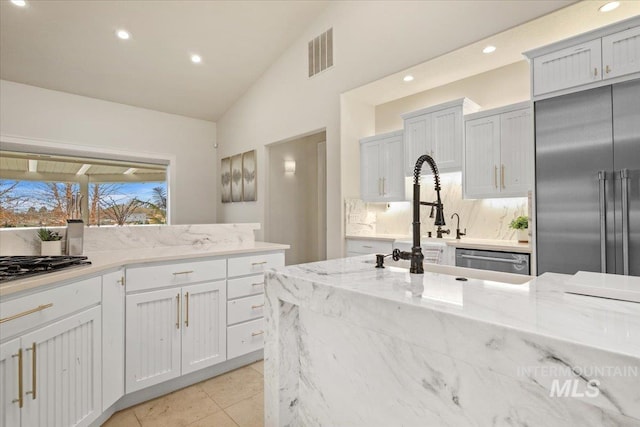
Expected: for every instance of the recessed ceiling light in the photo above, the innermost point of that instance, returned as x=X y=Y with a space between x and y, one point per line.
x=196 y=59
x=123 y=34
x=408 y=78
x=20 y=3
x=608 y=7
x=489 y=49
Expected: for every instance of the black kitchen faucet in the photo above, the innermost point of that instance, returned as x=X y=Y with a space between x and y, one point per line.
x=416 y=255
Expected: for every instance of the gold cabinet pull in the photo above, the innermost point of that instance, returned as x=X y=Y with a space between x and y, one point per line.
x=26 y=313
x=186 y=303
x=607 y=69
x=258 y=284
x=495 y=176
x=379 y=186
x=33 y=371
x=259 y=263
x=182 y=272
x=19 y=400
x=178 y=311
x=502 y=177
x=255 y=334
x=595 y=72
x=384 y=185
x=253 y=307
x=121 y=281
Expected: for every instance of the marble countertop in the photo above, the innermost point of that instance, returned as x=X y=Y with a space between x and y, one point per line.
x=539 y=306
x=105 y=260
x=468 y=243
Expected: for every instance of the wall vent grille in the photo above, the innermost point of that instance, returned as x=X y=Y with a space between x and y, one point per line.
x=321 y=53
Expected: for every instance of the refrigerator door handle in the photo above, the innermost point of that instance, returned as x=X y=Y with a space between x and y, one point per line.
x=602 y=178
x=624 y=176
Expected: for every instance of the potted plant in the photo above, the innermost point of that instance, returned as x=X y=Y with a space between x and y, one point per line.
x=521 y=225
x=50 y=242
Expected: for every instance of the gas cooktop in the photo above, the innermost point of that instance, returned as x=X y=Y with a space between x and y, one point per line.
x=20 y=267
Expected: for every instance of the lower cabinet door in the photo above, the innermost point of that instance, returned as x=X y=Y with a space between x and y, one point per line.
x=62 y=372
x=9 y=376
x=204 y=325
x=245 y=338
x=153 y=334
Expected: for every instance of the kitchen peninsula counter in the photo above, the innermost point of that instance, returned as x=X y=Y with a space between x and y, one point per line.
x=102 y=261
x=348 y=344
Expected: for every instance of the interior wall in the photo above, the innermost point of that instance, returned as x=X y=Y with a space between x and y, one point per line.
x=293 y=199
x=372 y=40
x=34 y=113
x=496 y=88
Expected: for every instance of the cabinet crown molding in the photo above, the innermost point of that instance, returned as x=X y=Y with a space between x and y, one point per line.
x=468 y=106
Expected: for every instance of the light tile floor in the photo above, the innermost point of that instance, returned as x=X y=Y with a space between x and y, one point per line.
x=234 y=399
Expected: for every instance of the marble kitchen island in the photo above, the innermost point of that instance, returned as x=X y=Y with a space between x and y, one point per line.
x=350 y=345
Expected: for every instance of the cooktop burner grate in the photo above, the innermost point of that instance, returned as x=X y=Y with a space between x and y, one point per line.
x=19 y=267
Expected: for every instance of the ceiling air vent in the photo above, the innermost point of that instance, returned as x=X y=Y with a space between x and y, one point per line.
x=321 y=53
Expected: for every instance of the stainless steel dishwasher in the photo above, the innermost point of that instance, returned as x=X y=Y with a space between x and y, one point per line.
x=508 y=262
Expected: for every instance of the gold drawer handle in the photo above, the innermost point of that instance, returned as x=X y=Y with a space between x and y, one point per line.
x=259 y=263
x=258 y=284
x=253 y=307
x=255 y=334
x=178 y=311
x=26 y=313
x=183 y=272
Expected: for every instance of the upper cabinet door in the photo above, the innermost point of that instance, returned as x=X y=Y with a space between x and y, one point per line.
x=447 y=138
x=393 y=164
x=621 y=53
x=516 y=152
x=482 y=157
x=370 y=171
x=573 y=66
x=417 y=141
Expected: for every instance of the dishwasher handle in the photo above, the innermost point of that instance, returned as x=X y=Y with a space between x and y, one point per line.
x=486 y=258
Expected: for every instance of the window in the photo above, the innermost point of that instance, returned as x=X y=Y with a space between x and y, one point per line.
x=46 y=190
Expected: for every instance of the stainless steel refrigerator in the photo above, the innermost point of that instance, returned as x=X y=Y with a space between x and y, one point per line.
x=588 y=181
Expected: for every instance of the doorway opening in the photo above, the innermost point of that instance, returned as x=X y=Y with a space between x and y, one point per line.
x=296 y=197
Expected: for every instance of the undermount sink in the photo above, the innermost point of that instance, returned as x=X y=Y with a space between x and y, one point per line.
x=469 y=273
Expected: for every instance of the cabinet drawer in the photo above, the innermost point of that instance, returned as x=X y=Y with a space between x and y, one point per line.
x=244 y=309
x=369 y=247
x=245 y=338
x=65 y=300
x=174 y=274
x=245 y=286
x=252 y=264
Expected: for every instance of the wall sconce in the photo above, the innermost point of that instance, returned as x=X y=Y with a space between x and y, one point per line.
x=290 y=166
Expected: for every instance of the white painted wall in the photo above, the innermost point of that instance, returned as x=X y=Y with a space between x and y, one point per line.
x=34 y=113
x=293 y=206
x=496 y=88
x=372 y=40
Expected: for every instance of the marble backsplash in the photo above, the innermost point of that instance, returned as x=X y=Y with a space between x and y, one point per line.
x=24 y=241
x=483 y=219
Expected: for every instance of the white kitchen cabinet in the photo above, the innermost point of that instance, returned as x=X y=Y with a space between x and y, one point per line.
x=62 y=372
x=11 y=365
x=50 y=367
x=363 y=246
x=621 y=53
x=604 y=56
x=438 y=132
x=498 y=152
x=569 y=67
x=153 y=338
x=113 y=311
x=171 y=332
x=381 y=168
x=203 y=326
